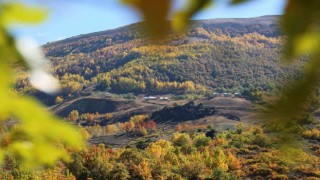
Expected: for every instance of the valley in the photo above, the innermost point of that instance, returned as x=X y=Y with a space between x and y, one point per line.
x=230 y=111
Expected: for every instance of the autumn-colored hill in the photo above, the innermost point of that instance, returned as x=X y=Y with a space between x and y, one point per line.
x=226 y=55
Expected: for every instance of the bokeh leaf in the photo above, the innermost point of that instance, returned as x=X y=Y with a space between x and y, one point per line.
x=308 y=43
x=239 y=1
x=154 y=12
x=289 y=107
x=39 y=138
x=181 y=18
x=19 y=13
x=300 y=22
x=38 y=131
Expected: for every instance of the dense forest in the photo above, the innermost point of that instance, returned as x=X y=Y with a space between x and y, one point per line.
x=224 y=55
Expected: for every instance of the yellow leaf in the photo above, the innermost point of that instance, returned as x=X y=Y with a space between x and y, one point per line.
x=20 y=13
x=307 y=43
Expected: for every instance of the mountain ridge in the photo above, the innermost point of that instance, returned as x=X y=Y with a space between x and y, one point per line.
x=266 y=19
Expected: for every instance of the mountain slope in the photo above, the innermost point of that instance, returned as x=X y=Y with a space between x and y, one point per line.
x=214 y=55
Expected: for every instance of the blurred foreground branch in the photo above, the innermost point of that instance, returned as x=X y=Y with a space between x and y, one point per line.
x=39 y=138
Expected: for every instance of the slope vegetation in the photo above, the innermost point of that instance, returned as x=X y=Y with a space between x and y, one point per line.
x=214 y=55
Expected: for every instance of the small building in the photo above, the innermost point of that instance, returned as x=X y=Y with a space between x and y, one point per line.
x=150 y=98
x=215 y=94
x=227 y=95
x=164 y=98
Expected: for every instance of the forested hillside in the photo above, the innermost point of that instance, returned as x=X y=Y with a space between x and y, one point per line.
x=226 y=55
x=172 y=138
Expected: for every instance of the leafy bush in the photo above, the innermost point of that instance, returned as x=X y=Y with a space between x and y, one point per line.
x=312 y=134
x=201 y=141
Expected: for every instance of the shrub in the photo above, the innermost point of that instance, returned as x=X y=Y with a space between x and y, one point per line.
x=210 y=126
x=308 y=119
x=112 y=128
x=201 y=140
x=127 y=126
x=58 y=100
x=311 y=134
x=262 y=140
x=219 y=173
x=220 y=159
x=138 y=119
x=74 y=115
x=181 y=139
x=150 y=125
x=143 y=131
x=90 y=117
x=142 y=144
x=119 y=171
x=108 y=116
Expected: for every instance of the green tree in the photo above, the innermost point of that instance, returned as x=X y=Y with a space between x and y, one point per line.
x=181 y=139
x=201 y=140
x=119 y=172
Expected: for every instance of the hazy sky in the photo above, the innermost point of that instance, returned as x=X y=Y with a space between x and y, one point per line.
x=73 y=17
